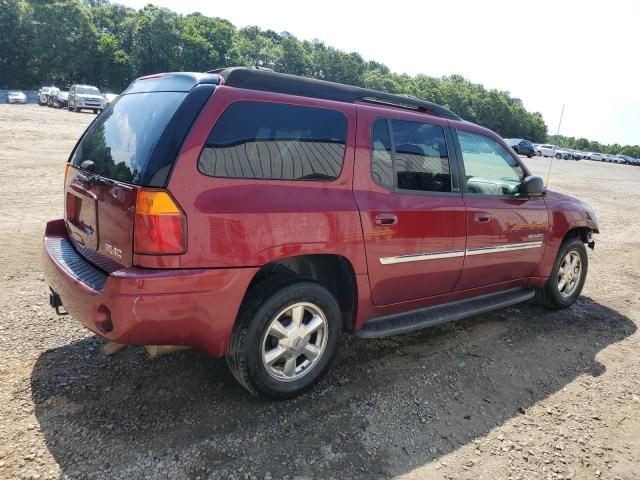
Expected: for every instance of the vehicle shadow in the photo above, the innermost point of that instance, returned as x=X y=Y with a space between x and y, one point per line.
x=386 y=406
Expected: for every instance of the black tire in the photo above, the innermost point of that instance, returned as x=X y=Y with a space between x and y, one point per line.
x=96 y=111
x=550 y=295
x=259 y=309
x=530 y=154
x=558 y=156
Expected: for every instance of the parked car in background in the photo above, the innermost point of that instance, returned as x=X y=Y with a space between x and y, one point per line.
x=110 y=97
x=546 y=150
x=51 y=95
x=261 y=216
x=595 y=156
x=562 y=154
x=43 y=95
x=61 y=100
x=575 y=155
x=521 y=147
x=16 y=96
x=86 y=97
x=627 y=160
x=610 y=158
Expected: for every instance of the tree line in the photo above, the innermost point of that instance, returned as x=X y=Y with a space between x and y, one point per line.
x=108 y=45
x=591 y=146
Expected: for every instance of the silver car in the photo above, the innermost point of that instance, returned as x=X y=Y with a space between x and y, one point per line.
x=16 y=96
x=86 y=97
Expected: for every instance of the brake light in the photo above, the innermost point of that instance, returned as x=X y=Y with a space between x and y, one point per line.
x=66 y=172
x=160 y=224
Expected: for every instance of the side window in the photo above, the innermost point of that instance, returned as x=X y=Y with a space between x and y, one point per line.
x=276 y=142
x=381 y=164
x=418 y=161
x=488 y=166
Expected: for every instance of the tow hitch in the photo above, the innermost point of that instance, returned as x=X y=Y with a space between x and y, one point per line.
x=56 y=302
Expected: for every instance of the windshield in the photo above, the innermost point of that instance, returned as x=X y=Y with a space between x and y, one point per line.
x=120 y=141
x=87 y=91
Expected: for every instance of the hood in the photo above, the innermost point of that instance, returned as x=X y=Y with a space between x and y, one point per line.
x=90 y=95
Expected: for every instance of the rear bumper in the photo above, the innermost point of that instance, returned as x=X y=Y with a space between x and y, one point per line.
x=195 y=307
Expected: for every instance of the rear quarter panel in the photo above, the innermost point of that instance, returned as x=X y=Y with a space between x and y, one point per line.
x=246 y=222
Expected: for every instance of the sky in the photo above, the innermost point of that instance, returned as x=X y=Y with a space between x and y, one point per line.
x=583 y=54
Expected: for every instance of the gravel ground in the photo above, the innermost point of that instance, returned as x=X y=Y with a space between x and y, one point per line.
x=520 y=393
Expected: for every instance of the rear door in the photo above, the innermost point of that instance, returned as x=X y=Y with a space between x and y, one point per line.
x=506 y=234
x=411 y=209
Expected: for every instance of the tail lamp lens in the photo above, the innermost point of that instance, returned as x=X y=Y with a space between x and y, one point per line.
x=160 y=225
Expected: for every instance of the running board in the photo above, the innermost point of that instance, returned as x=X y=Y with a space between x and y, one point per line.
x=399 y=323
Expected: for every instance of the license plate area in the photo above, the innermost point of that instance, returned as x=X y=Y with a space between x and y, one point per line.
x=81 y=209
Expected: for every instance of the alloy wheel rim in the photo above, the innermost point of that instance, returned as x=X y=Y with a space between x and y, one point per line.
x=569 y=274
x=294 y=341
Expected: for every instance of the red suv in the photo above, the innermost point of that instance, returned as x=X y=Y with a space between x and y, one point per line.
x=259 y=216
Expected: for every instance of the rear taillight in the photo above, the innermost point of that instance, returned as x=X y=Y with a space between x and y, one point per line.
x=66 y=172
x=160 y=226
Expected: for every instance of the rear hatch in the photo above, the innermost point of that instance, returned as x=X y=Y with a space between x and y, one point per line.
x=129 y=148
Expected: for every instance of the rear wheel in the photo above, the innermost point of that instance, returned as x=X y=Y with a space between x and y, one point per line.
x=567 y=276
x=285 y=338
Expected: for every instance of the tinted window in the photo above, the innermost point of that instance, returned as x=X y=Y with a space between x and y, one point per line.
x=120 y=140
x=489 y=168
x=420 y=158
x=275 y=141
x=381 y=163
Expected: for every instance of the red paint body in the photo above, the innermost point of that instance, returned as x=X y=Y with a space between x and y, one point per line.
x=237 y=226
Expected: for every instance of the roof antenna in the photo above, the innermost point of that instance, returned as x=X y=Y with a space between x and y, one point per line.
x=554 y=155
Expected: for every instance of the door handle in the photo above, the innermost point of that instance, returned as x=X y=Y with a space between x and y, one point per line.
x=482 y=217
x=386 y=219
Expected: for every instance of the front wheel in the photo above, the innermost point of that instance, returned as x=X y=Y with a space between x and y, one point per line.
x=567 y=276
x=285 y=338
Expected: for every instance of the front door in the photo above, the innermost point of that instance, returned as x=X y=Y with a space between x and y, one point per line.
x=412 y=213
x=506 y=234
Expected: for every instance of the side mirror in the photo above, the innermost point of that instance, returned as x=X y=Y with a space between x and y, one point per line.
x=532 y=186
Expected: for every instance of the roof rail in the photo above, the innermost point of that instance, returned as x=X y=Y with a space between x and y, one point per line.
x=263 y=79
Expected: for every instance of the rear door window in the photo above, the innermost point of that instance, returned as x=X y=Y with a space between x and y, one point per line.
x=275 y=141
x=121 y=139
x=410 y=156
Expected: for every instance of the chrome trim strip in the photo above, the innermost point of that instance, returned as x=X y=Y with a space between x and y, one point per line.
x=418 y=257
x=509 y=247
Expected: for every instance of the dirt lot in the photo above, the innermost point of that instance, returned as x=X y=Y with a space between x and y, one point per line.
x=521 y=393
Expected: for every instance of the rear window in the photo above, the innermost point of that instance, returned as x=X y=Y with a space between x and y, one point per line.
x=121 y=139
x=274 y=141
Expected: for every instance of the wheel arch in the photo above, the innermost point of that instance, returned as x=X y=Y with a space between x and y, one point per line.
x=335 y=272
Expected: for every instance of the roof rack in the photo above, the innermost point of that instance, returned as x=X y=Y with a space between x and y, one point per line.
x=264 y=79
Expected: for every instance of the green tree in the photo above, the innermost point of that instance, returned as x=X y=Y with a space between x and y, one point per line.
x=156 y=45
x=16 y=38
x=113 y=65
